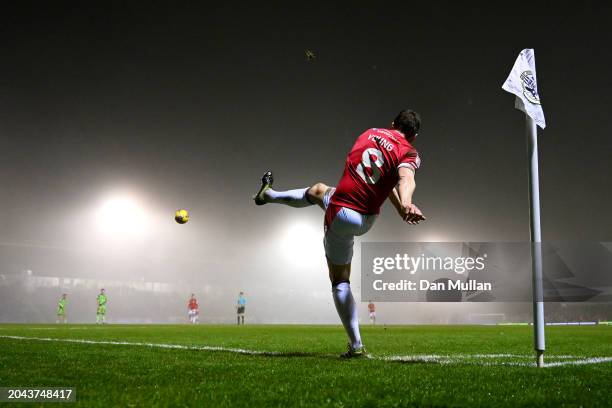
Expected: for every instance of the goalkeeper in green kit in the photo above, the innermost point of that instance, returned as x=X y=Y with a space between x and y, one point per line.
x=101 y=313
x=61 y=309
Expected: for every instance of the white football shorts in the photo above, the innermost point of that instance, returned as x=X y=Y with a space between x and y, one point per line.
x=341 y=229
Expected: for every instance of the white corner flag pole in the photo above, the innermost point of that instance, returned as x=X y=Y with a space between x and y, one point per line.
x=522 y=82
x=536 y=240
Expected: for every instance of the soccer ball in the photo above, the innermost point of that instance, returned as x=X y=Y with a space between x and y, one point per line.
x=181 y=216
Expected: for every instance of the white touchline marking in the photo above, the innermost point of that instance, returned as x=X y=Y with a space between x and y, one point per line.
x=435 y=358
x=468 y=356
x=459 y=358
x=154 y=345
x=592 y=360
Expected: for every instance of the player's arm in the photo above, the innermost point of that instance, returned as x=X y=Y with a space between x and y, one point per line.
x=395 y=200
x=401 y=197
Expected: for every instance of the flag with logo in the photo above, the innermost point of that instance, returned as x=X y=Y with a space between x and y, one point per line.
x=523 y=83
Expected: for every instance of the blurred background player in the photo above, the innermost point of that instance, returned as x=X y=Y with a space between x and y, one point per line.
x=61 y=309
x=101 y=312
x=193 y=310
x=372 y=310
x=240 y=308
x=381 y=164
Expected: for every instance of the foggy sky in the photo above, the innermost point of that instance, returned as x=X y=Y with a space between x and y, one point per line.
x=185 y=106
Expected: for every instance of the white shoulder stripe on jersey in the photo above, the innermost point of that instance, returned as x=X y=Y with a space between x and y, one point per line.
x=410 y=166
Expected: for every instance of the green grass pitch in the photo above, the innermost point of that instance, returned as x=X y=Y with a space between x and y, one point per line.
x=441 y=366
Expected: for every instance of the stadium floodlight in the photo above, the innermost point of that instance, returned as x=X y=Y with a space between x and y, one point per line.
x=121 y=216
x=522 y=82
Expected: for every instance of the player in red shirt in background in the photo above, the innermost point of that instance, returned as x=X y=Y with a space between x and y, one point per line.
x=372 y=311
x=381 y=165
x=193 y=310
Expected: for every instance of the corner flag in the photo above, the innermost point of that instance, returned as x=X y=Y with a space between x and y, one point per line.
x=522 y=82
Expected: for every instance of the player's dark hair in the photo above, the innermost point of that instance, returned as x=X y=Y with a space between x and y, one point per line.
x=408 y=122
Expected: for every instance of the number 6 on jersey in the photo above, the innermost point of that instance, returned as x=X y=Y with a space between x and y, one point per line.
x=366 y=162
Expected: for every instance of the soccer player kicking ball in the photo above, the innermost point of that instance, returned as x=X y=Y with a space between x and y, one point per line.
x=101 y=312
x=381 y=165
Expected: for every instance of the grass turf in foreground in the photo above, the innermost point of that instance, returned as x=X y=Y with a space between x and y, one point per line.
x=309 y=374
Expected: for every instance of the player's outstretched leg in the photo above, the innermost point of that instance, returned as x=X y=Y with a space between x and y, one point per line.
x=298 y=198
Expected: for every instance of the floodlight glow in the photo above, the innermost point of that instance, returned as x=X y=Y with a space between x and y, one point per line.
x=121 y=217
x=302 y=243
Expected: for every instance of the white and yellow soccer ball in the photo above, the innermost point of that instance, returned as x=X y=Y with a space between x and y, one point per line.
x=181 y=216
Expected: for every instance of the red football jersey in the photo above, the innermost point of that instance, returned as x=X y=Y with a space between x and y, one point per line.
x=193 y=304
x=371 y=170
